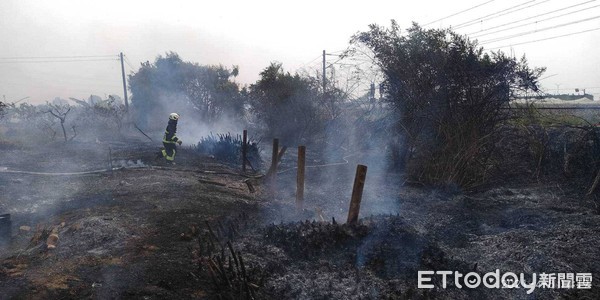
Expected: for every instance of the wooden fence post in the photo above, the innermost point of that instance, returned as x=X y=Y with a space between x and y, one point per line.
x=5 y=228
x=300 y=177
x=244 y=150
x=357 y=191
x=275 y=155
x=273 y=175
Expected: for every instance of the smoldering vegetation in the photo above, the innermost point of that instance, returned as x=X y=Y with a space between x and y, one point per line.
x=228 y=149
x=459 y=178
x=506 y=229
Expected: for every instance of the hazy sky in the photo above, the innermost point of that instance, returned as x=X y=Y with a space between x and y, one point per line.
x=251 y=34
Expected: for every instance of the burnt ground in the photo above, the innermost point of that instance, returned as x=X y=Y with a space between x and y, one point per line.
x=120 y=232
x=154 y=231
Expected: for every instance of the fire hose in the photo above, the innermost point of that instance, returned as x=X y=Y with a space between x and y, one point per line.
x=6 y=170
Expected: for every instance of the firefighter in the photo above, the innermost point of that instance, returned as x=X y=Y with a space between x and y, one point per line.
x=170 y=139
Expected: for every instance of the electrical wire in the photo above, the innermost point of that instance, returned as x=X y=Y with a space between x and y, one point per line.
x=345 y=162
x=54 y=61
x=54 y=57
x=529 y=18
x=127 y=62
x=497 y=14
x=57 y=57
x=535 y=22
x=458 y=13
x=536 y=31
x=310 y=62
x=545 y=39
x=580 y=88
x=335 y=52
x=306 y=65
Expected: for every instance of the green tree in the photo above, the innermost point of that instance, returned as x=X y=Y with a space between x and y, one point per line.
x=447 y=96
x=170 y=84
x=211 y=92
x=288 y=105
x=2 y=109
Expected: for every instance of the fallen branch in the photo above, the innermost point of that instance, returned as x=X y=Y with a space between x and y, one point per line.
x=250 y=185
x=595 y=184
x=136 y=127
x=273 y=168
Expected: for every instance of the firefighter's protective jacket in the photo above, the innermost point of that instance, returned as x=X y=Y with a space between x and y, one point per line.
x=170 y=136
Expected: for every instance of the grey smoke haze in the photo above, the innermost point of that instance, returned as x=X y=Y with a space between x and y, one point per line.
x=253 y=33
x=190 y=127
x=330 y=170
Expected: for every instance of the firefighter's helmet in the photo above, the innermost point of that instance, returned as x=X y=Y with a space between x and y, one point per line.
x=174 y=116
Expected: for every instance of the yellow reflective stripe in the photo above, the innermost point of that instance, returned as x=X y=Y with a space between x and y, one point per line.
x=172 y=157
x=172 y=141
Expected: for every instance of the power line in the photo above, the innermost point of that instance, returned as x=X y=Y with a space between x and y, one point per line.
x=127 y=62
x=57 y=57
x=528 y=18
x=581 y=88
x=335 y=52
x=535 y=22
x=54 y=61
x=303 y=66
x=332 y=53
x=545 y=39
x=130 y=66
x=536 y=31
x=500 y=13
x=60 y=78
x=473 y=21
x=458 y=13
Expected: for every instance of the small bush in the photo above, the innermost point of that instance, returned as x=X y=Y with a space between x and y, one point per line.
x=227 y=148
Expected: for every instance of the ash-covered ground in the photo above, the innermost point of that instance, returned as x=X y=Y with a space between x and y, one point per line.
x=194 y=230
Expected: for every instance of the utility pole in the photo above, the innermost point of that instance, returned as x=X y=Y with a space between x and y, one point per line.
x=124 y=83
x=324 y=77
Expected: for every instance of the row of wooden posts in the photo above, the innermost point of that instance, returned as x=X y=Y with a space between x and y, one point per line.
x=277 y=154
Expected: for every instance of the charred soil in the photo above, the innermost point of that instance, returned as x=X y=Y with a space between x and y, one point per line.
x=194 y=231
